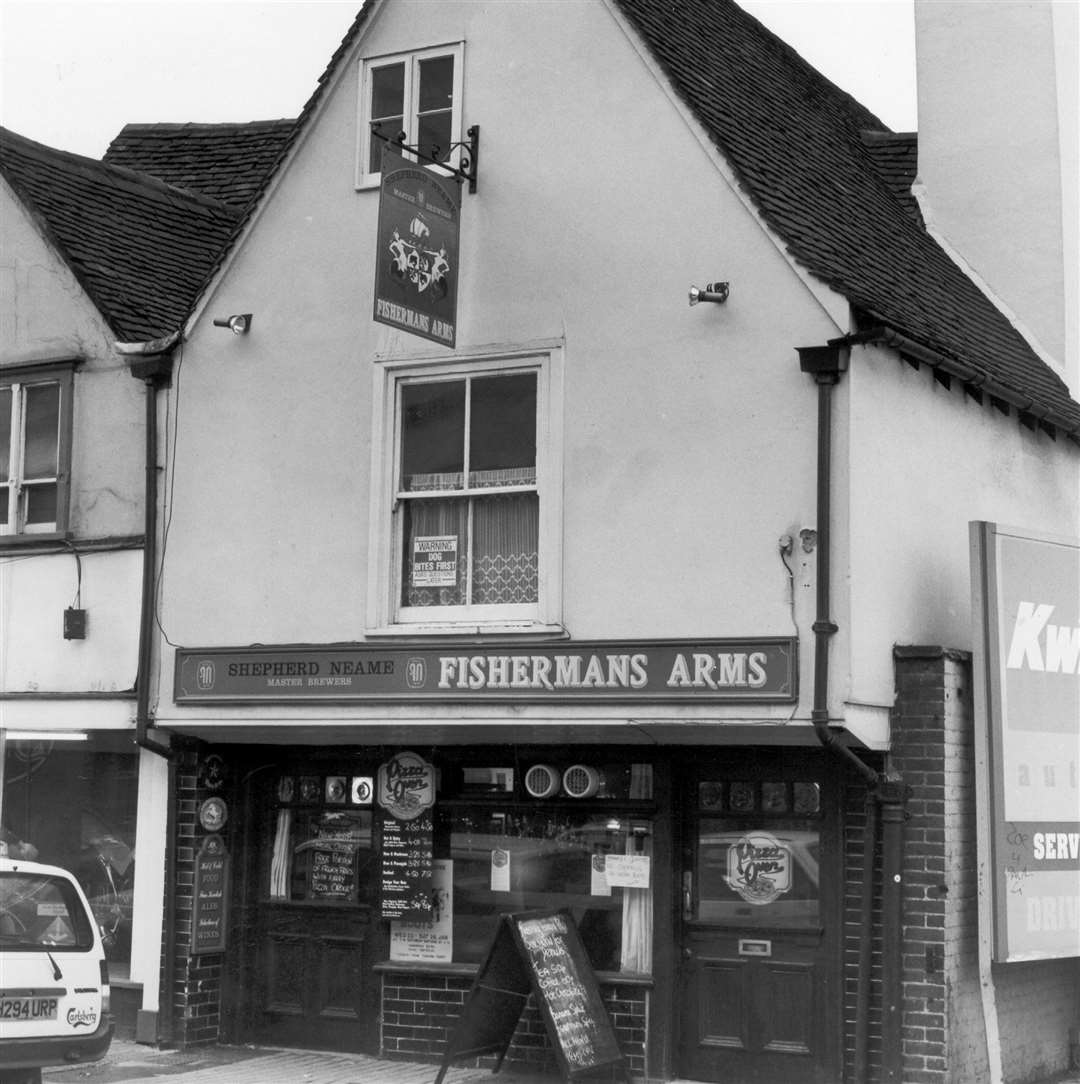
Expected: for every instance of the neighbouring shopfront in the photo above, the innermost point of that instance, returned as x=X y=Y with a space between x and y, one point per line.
x=74 y=801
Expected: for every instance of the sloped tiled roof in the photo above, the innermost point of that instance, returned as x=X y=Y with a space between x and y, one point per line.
x=896 y=158
x=139 y=247
x=228 y=162
x=795 y=143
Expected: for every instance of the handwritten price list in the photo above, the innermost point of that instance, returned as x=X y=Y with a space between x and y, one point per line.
x=333 y=874
x=575 y=1010
x=406 y=867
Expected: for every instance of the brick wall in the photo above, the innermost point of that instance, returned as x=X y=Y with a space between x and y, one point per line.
x=420 y=1011
x=195 y=998
x=944 y=1036
x=932 y=751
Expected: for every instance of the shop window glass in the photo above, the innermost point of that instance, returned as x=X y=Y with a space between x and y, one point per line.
x=323 y=856
x=511 y=860
x=75 y=806
x=758 y=848
x=765 y=875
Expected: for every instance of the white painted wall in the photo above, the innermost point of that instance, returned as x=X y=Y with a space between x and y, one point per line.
x=44 y=312
x=924 y=461
x=36 y=589
x=46 y=315
x=689 y=433
x=997 y=90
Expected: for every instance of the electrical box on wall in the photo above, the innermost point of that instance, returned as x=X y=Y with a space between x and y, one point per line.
x=74 y=624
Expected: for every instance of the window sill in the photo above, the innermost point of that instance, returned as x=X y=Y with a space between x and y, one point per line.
x=46 y=540
x=494 y=628
x=421 y=967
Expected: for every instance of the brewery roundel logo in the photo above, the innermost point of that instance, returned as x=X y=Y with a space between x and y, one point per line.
x=416 y=672
x=759 y=868
x=205 y=674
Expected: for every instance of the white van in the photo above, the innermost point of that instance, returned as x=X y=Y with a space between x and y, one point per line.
x=54 y=981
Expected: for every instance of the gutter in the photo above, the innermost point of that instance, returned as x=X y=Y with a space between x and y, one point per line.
x=886 y=336
x=885 y=793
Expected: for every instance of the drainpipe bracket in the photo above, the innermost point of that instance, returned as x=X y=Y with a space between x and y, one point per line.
x=831 y=627
x=892 y=792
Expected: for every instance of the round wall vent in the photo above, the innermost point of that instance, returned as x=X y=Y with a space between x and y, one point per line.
x=542 y=780
x=581 y=781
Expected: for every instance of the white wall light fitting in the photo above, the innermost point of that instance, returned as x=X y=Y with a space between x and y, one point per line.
x=238 y=325
x=712 y=291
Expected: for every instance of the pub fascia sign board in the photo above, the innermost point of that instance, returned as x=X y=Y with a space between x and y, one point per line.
x=696 y=671
x=1026 y=589
x=417 y=245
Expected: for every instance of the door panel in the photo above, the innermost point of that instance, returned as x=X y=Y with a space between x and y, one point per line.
x=758 y=926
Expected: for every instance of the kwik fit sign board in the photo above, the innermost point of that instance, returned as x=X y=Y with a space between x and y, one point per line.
x=416 y=270
x=1027 y=695
x=697 y=671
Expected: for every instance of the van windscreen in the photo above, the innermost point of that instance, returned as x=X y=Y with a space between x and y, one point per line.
x=41 y=912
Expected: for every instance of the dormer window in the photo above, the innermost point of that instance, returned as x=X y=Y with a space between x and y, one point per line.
x=416 y=93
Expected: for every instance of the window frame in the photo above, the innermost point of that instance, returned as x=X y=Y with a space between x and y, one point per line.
x=18 y=378
x=411 y=59
x=385 y=613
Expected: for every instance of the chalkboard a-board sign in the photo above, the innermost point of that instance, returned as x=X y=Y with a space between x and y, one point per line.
x=211 y=896
x=538 y=952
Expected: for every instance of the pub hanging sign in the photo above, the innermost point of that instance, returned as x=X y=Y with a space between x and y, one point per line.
x=416 y=269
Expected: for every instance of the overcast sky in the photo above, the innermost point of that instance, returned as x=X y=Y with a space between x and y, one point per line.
x=74 y=72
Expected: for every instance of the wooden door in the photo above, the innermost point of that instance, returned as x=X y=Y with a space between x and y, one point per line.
x=318 y=987
x=759 y=929
x=316 y=936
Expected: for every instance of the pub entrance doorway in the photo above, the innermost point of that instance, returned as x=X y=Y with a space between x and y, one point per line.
x=311 y=911
x=761 y=881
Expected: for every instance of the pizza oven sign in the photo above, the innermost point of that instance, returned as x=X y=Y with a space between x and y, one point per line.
x=406 y=786
x=759 y=868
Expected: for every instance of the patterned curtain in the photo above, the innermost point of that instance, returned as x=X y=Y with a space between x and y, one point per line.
x=504 y=545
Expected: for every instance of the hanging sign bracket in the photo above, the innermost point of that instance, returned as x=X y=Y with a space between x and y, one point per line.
x=466 y=170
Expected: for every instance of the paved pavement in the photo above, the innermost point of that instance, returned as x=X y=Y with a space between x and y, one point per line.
x=134 y=1063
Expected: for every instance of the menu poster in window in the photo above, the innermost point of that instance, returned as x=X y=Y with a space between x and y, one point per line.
x=628 y=870
x=434 y=561
x=405 y=866
x=431 y=942
x=333 y=873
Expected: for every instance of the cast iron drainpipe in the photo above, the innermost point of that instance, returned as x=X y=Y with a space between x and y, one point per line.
x=152 y=363
x=827 y=364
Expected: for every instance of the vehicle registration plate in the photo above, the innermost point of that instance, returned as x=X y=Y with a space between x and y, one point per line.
x=28 y=1008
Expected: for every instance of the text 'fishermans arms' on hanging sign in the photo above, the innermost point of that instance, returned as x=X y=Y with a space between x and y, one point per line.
x=706 y=671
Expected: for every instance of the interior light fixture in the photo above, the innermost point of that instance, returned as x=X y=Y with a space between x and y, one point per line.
x=712 y=291
x=46 y=735
x=238 y=325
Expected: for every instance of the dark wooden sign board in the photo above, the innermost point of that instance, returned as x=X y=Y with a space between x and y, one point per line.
x=210 y=897
x=538 y=952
